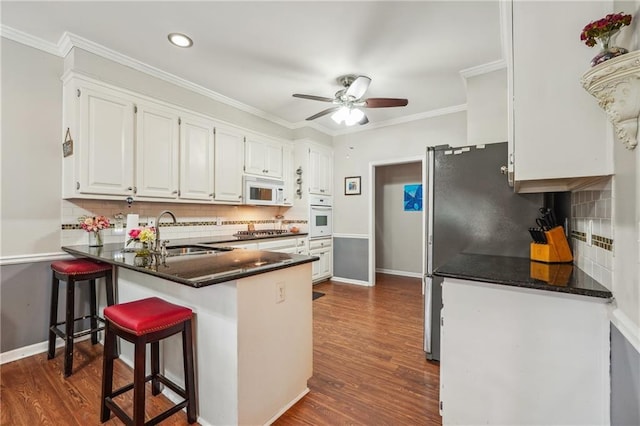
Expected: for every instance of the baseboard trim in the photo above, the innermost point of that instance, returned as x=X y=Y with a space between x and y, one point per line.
x=35 y=349
x=350 y=281
x=629 y=330
x=400 y=273
x=289 y=405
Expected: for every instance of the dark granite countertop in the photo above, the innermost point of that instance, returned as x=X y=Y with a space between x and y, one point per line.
x=520 y=272
x=195 y=270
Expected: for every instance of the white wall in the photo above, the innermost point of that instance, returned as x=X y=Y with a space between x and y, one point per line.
x=31 y=150
x=398 y=232
x=354 y=152
x=626 y=211
x=487 y=107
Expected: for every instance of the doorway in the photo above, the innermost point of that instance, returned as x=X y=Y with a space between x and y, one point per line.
x=396 y=230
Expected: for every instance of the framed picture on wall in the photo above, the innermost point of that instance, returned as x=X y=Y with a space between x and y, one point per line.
x=413 y=198
x=352 y=185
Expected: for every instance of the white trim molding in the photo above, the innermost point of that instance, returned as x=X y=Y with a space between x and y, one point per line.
x=483 y=69
x=399 y=273
x=358 y=236
x=33 y=258
x=69 y=40
x=351 y=281
x=35 y=349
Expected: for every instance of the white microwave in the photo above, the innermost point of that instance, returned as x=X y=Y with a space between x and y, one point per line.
x=263 y=192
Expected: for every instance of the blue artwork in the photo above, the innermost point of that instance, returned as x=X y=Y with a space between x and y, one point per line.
x=413 y=198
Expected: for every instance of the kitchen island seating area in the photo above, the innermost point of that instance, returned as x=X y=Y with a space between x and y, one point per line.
x=142 y=322
x=72 y=271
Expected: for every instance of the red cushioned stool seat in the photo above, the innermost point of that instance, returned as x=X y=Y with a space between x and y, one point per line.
x=147 y=315
x=72 y=271
x=143 y=322
x=79 y=267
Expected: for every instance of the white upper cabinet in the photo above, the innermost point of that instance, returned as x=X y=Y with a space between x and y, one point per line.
x=229 y=144
x=559 y=134
x=102 y=161
x=263 y=157
x=196 y=158
x=157 y=144
x=320 y=170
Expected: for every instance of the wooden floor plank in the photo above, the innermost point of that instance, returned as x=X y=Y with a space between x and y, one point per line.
x=368 y=369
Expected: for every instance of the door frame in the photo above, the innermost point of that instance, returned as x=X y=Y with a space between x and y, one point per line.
x=422 y=159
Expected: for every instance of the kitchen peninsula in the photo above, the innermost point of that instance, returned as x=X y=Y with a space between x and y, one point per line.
x=253 y=322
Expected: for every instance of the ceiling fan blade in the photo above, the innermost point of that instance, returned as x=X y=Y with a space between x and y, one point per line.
x=358 y=87
x=313 y=97
x=385 y=102
x=323 y=113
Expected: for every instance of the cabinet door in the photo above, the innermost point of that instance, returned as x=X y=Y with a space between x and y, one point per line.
x=321 y=268
x=228 y=165
x=320 y=171
x=157 y=139
x=559 y=131
x=263 y=157
x=105 y=142
x=196 y=158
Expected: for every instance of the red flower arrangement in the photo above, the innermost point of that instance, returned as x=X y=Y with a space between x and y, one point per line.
x=603 y=27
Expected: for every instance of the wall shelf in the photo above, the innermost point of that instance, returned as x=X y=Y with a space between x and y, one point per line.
x=616 y=85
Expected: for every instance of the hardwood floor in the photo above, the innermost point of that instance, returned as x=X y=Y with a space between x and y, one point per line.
x=369 y=368
x=368 y=364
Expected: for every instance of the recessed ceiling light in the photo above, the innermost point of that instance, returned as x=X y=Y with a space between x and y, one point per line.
x=180 y=40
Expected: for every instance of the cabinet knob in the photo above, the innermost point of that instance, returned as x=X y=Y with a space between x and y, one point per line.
x=130 y=188
x=175 y=192
x=211 y=195
x=240 y=196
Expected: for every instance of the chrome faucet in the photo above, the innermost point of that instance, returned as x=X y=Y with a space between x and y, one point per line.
x=157 y=243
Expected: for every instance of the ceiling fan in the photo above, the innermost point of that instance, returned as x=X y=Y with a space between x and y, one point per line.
x=348 y=101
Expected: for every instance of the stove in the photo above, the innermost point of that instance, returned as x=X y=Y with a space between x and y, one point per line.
x=260 y=233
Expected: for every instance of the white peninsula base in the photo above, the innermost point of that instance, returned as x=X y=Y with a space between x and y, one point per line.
x=517 y=356
x=253 y=349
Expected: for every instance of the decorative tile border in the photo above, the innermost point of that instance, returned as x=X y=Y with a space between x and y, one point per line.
x=579 y=236
x=69 y=226
x=602 y=242
x=596 y=240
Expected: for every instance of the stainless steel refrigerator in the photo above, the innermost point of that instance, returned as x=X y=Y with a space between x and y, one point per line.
x=470 y=209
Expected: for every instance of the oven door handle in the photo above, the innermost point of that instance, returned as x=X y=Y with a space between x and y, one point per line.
x=322 y=208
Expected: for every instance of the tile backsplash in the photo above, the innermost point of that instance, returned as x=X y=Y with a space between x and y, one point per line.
x=592 y=232
x=194 y=220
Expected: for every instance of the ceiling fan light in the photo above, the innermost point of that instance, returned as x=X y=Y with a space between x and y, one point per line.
x=340 y=115
x=355 y=115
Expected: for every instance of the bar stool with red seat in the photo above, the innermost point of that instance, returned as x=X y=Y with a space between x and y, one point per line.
x=72 y=271
x=141 y=322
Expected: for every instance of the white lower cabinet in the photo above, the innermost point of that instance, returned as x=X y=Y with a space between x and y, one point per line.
x=514 y=356
x=323 y=268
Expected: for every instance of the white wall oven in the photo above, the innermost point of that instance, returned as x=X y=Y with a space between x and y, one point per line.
x=320 y=217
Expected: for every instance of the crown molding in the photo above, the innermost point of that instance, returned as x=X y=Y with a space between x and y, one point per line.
x=29 y=40
x=69 y=40
x=401 y=120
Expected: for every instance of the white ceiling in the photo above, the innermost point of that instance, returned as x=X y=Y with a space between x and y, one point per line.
x=260 y=53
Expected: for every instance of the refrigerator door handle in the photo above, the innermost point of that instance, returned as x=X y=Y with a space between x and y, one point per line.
x=428 y=283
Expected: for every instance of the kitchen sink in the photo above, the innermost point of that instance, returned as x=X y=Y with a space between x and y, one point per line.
x=186 y=250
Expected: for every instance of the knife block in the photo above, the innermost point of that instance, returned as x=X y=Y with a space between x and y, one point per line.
x=556 y=250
